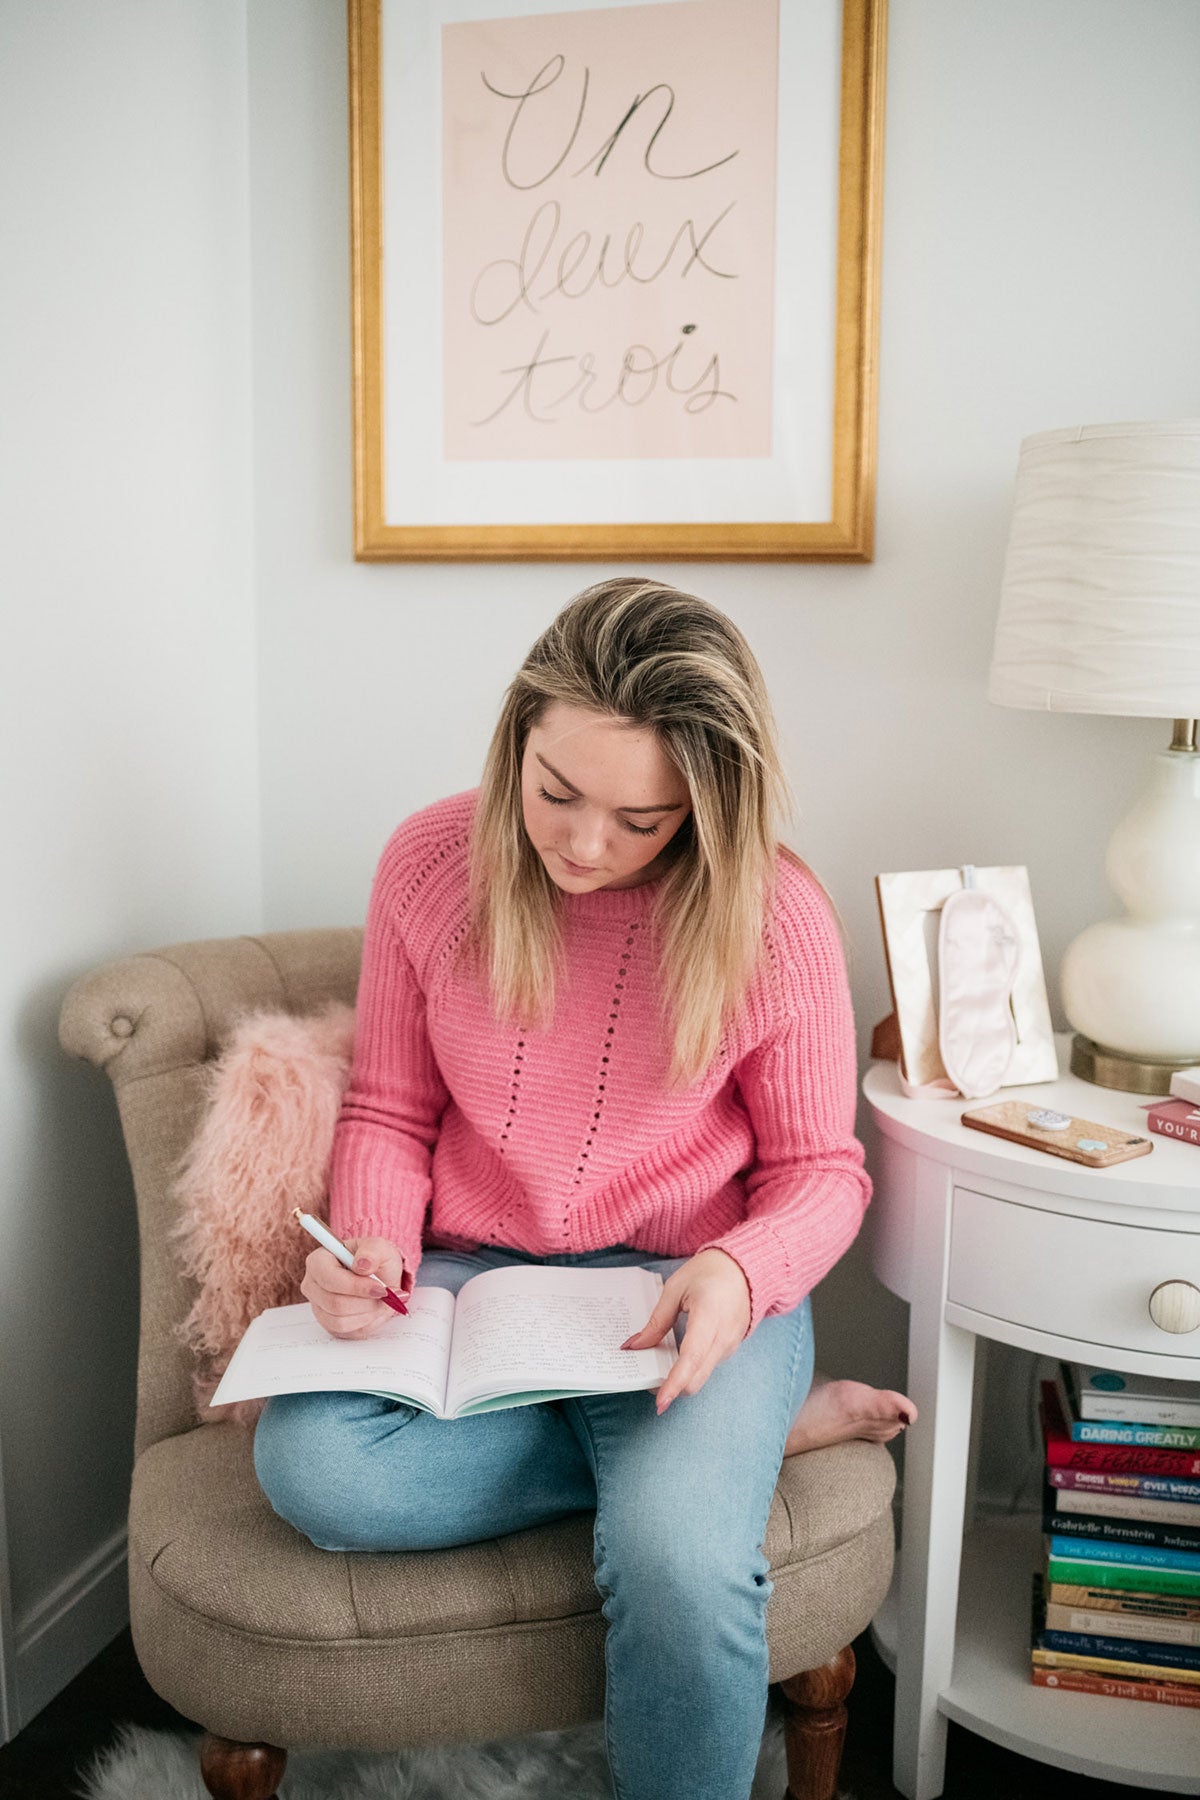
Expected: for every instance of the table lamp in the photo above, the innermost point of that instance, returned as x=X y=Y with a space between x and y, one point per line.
x=1100 y=613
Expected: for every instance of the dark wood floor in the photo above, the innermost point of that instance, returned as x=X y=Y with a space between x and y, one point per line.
x=45 y=1761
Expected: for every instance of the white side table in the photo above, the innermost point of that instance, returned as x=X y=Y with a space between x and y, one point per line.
x=985 y=1238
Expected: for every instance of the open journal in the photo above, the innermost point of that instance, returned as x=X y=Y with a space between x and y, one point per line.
x=511 y=1337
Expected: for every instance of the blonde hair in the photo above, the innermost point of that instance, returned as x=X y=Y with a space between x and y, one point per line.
x=647 y=654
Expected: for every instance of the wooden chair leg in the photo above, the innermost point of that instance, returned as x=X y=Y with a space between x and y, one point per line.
x=814 y=1727
x=233 y=1771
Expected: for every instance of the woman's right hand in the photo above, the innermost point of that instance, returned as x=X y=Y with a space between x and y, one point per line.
x=345 y=1302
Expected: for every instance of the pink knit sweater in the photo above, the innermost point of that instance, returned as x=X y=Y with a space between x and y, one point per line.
x=565 y=1139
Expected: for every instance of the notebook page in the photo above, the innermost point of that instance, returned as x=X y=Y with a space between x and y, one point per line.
x=556 y=1329
x=285 y=1351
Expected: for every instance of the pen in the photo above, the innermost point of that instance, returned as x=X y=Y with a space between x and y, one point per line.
x=324 y=1236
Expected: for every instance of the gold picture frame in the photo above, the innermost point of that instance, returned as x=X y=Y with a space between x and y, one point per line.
x=848 y=453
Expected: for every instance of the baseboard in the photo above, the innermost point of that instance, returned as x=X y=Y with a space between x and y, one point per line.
x=60 y=1636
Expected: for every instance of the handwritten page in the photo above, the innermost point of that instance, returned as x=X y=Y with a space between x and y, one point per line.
x=286 y=1351
x=608 y=232
x=554 y=1329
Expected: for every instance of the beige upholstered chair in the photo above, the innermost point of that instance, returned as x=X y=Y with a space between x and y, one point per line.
x=268 y=1642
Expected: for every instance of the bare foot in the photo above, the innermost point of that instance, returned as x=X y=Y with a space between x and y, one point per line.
x=837 y=1410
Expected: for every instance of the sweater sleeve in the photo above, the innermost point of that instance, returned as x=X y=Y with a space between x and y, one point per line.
x=379 y=1181
x=807 y=1189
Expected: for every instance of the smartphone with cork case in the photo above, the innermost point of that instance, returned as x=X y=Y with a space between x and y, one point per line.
x=1079 y=1140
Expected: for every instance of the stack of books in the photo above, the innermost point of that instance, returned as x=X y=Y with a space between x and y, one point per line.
x=1175 y=1118
x=1178 y=1116
x=1117 y=1609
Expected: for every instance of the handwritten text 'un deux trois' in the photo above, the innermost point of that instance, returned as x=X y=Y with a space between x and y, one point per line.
x=536 y=276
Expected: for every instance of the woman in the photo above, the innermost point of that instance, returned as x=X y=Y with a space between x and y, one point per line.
x=603 y=1019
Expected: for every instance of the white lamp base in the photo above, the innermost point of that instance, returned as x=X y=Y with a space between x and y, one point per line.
x=1132 y=985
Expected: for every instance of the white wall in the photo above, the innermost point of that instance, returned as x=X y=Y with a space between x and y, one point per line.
x=127 y=706
x=1041 y=266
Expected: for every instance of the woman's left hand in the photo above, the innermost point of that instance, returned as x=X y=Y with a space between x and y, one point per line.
x=714 y=1293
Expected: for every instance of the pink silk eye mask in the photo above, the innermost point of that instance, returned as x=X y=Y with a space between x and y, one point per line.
x=978 y=952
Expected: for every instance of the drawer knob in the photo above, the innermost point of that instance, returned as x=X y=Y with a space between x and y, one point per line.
x=1175 y=1306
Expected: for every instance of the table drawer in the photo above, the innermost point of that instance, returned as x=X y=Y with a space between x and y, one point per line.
x=1073 y=1277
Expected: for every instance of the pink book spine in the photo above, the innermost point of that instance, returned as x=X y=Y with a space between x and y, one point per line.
x=1175 y=1119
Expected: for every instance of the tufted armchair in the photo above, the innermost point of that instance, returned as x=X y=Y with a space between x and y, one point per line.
x=269 y=1643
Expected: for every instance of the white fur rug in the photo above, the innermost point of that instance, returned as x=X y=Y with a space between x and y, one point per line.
x=545 y=1765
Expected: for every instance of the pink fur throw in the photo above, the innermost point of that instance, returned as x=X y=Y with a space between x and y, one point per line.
x=263 y=1147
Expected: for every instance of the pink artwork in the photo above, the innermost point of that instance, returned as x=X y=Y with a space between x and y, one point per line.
x=608 y=219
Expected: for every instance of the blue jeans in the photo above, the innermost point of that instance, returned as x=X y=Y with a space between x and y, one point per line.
x=681 y=1504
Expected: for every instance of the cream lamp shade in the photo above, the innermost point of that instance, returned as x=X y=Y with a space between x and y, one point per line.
x=1100 y=603
x=1100 y=613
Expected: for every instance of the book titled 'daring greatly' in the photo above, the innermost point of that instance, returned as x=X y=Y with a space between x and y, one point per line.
x=1062 y=1452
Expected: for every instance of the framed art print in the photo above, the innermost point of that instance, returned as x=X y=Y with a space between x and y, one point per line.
x=615 y=277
